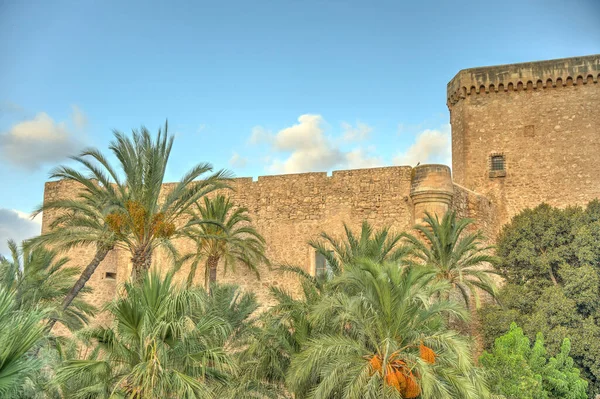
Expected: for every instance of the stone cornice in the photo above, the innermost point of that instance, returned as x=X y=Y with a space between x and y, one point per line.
x=524 y=76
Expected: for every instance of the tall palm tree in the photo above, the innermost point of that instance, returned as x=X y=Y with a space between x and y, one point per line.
x=458 y=256
x=225 y=233
x=165 y=342
x=125 y=207
x=79 y=221
x=287 y=325
x=39 y=280
x=386 y=337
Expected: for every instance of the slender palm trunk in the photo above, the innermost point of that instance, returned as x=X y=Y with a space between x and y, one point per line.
x=83 y=279
x=211 y=265
x=141 y=262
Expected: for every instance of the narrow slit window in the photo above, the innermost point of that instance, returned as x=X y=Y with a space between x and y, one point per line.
x=498 y=163
x=110 y=276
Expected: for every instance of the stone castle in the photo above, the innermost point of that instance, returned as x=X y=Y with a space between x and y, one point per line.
x=522 y=134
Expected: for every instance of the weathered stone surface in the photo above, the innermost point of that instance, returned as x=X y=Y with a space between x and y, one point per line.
x=543 y=117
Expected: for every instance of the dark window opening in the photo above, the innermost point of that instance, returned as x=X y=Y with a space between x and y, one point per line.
x=110 y=276
x=322 y=266
x=497 y=163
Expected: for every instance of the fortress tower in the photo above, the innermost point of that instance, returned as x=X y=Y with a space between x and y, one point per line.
x=528 y=133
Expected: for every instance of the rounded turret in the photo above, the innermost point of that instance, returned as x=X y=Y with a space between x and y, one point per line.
x=431 y=190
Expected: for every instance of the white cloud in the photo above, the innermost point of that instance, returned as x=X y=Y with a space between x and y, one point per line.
x=34 y=142
x=18 y=226
x=304 y=147
x=310 y=150
x=356 y=133
x=430 y=146
x=201 y=128
x=238 y=161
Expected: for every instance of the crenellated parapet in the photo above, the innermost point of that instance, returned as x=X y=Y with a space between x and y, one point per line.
x=530 y=76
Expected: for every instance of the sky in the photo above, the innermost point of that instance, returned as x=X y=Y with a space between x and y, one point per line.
x=257 y=87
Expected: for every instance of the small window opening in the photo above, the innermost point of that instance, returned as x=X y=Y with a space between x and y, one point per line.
x=110 y=276
x=497 y=163
x=322 y=265
x=497 y=166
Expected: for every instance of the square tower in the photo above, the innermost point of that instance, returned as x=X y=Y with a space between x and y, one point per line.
x=528 y=133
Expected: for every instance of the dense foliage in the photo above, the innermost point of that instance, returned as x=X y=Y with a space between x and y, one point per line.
x=520 y=371
x=40 y=279
x=550 y=259
x=382 y=334
x=20 y=331
x=33 y=283
x=375 y=321
x=166 y=341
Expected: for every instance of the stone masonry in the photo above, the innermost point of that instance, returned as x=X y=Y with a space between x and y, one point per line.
x=522 y=134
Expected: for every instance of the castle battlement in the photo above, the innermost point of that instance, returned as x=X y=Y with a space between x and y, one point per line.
x=524 y=76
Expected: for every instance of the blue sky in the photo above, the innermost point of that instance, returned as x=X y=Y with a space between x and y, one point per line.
x=259 y=87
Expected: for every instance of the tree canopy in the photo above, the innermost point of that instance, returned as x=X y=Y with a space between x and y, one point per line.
x=550 y=259
x=518 y=370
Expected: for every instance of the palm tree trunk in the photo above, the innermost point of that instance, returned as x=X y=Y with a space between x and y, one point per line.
x=87 y=273
x=141 y=262
x=552 y=277
x=211 y=265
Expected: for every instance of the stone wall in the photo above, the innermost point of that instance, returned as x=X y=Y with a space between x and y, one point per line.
x=288 y=210
x=543 y=117
x=469 y=204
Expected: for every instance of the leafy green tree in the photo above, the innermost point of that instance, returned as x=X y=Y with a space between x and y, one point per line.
x=224 y=233
x=519 y=371
x=166 y=341
x=550 y=259
x=458 y=256
x=20 y=331
x=39 y=280
x=385 y=338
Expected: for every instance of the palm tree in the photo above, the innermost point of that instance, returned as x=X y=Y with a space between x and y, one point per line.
x=286 y=326
x=379 y=246
x=459 y=257
x=21 y=330
x=39 y=280
x=166 y=341
x=79 y=221
x=385 y=337
x=223 y=232
x=128 y=209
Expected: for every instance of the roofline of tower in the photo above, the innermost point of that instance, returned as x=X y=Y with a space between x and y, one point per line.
x=526 y=75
